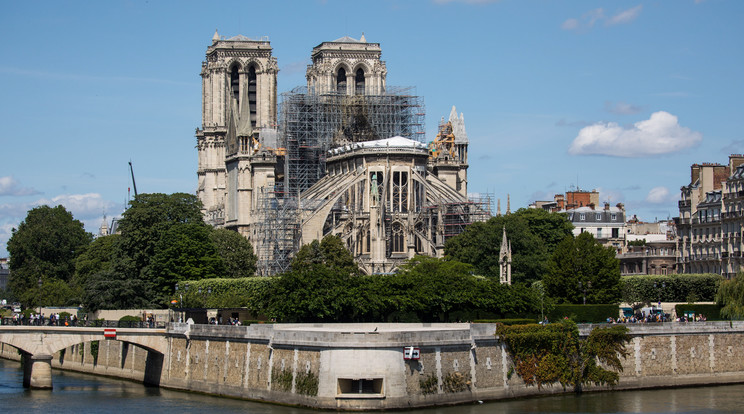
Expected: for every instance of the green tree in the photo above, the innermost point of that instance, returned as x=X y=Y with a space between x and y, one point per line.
x=236 y=252
x=581 y=267
x=321 y=286
x=96 y=258
x=533 y=234
x=148 y=217
x=110 y=289
x=731 y=296
x=330 y=252
x=42 y=252
x=142 y=254
x=184 y=252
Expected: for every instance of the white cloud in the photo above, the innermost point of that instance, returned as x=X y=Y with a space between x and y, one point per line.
x=590 y=18
x=5 y=233
x=622 y=108
x=660 y=134
x=625 y=16
x=82 y=206
x=88 y=208
x=570 y=24
x=11 y=187
x=658 y=195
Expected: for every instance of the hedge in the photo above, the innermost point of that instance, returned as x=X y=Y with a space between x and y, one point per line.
x=670 y=288
x=711 y=312
x=507 y=321
x=248 y=292
x=585 y=313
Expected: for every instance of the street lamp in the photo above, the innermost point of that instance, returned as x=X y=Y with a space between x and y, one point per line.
x=39 y=301
x=584 y=289
x=180 y=298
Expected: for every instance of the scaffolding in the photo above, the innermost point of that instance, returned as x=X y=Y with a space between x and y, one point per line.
x=312 y=124
x=278 y=229
x=457 y=215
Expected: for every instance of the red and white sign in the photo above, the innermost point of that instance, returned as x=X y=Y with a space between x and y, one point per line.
x=411 y=353
x=109 y=333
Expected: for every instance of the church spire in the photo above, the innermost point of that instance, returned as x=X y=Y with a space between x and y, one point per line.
x=505 y=260
x=508 y=205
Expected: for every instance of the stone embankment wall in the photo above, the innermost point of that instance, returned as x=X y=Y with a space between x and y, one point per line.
x=361 y=366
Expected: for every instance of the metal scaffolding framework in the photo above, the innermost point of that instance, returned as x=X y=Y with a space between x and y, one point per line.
x=312 y=124
x=279 y=227
x=457 y=215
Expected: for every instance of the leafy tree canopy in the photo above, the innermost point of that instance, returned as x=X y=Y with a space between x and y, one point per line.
x=148 y=217
x=330 y=252
x=96 y=258
x=236 y=252
x=533 y=234
x=731 y=296
x=45 y=247
x=158 y=233
x=582 y=267
x=184 y=252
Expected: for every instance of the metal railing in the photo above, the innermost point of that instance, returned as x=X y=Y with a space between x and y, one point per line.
x=90 y=324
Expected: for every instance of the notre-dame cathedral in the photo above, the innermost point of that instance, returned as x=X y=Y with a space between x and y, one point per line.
x=346 y=155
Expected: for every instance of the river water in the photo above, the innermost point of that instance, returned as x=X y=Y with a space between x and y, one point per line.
x=80 y=393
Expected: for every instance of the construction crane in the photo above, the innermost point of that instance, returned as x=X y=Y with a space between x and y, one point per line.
x=131 y=170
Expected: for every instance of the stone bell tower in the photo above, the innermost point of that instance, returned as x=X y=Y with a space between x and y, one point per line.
x=239 y=87
x=347 y=66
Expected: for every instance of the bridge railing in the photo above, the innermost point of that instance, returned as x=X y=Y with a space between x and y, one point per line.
x=79 y=323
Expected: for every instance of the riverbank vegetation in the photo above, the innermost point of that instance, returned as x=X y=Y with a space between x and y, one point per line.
x=555 y=354
x=163 y=243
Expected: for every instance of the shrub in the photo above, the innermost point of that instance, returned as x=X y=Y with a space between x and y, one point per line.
x=249 y=292
x=670 y=288
x=711 y=312
x=507 y=321
x=585 y=313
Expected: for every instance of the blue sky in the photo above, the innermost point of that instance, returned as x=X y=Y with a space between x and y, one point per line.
x=618 y=96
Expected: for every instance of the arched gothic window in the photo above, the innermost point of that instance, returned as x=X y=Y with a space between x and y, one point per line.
x=359 y=82
x=235 y=83
x=398 y=239
x=252 y=87
x=341 y=81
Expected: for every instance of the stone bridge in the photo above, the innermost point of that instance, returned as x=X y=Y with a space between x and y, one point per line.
x=38 y=344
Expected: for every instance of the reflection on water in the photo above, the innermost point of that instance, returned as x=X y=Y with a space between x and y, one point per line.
x=77 y=393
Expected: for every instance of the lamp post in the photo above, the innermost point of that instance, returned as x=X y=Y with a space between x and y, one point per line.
x=584 y=289
x=39 y=295
x=180 y=299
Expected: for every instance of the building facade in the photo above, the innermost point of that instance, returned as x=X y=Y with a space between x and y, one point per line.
x=582 y=208
x=344 y=155
x=709 y=226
